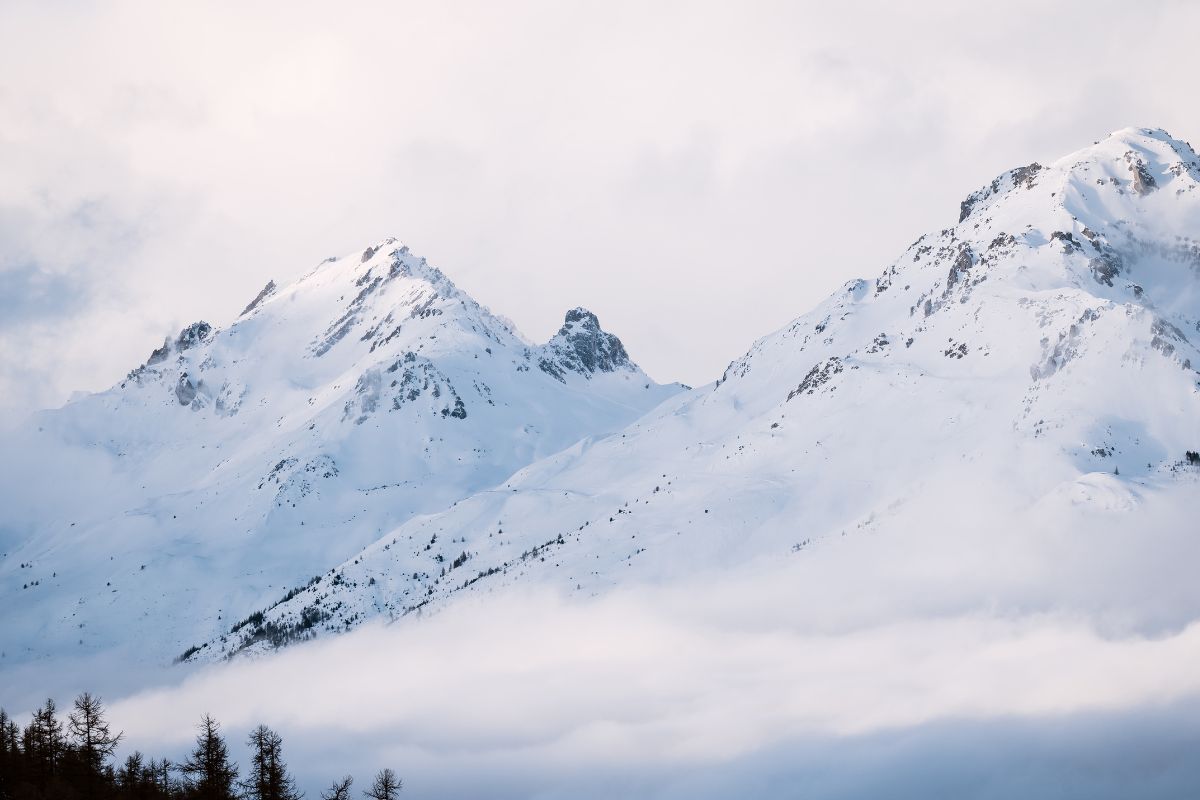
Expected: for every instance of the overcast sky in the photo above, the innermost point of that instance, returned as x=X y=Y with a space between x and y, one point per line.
x=697 y=174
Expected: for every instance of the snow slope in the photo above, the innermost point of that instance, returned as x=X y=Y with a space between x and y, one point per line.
x=240 y=461
x=1031 y=369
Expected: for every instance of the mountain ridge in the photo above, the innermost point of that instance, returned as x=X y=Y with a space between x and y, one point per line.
x=369 y=390
x=373 y=427
x=1026 y=334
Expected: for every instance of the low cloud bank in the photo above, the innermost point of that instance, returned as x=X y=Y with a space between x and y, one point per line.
x=532 y=695
x=939 y=651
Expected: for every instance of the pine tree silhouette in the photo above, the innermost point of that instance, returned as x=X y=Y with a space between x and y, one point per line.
x=386 y=786
x=50 y=761
x=338 y=790
x=208 y=773
x=268 y=778
x=94 y=741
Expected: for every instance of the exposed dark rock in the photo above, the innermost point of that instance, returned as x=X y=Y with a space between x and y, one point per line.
x=343 y=324
x=1024 y=177
x=274 y=474
x=413 y=377
x=961 y=266
x=185 y=390
x=1021 y=177
x=1069 y=241
x=817 y=377
x=1002 y=241
x=582 y=346
x=1065 y=349
x=956 y=350
x=459 y=411
x=266 y=292
x=160 y=355
x=1105 y=267
x=1164 y=334
x=966 y=206
x=193 y=334
x=884 y=281
x=1108 y=263
x=552 y=368
x=1143 y=181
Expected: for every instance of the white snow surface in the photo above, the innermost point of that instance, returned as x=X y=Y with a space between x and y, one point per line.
x=240 y=461
x=1029 y=372
x=1031 y=368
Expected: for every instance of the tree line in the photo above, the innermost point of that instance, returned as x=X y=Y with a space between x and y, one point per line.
x=53 y=758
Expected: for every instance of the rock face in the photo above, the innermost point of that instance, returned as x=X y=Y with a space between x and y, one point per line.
x=185 y=390
x=266 y=292
x=1019 y=178
x=1010 y=359
x=582 y=347
x=1143 y=181
x=194 y=334
x=245 y=458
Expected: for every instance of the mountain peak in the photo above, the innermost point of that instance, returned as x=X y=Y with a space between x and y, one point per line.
x=583 y=347
x=1104 y=179
x=1154 y=142
x=1052 y=328
x=581 y=317
x=333 y=408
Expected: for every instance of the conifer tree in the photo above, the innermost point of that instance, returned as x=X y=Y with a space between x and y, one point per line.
x=386 y=786
x=338 y=790
x=132 y=778
x=208 y=773
x=268 y=778
x=44 y=744
x=8 y=758
x=15 y=770
x=94 y=740
x=159 y=775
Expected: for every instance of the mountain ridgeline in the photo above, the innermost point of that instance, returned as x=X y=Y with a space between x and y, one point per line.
x=237 y=459
x=370 y=443
x=1054 y=326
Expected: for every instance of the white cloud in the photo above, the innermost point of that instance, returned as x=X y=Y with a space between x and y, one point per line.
x=1009 y=652
x=531 y=689
x=667 y=165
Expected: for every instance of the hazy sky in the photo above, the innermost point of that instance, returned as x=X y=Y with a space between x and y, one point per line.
x=696 y=173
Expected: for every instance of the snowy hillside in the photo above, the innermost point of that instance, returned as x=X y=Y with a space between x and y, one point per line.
x=239 y=461
x=1033 y=367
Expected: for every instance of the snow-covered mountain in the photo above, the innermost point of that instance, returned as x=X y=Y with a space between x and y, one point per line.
x=371 y=443
x=239 y=461
x=1035 y=363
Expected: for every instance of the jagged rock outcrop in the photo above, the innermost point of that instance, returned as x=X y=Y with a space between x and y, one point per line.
x=185 y=390
x=581 y=346
x=194 y=334
x=1019 y=178
x=263 y=294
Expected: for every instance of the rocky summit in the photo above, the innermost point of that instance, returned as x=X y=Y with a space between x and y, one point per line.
x=238 y=460
x=372 y=443
x=1026 y=373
